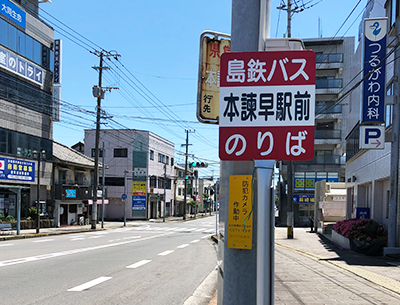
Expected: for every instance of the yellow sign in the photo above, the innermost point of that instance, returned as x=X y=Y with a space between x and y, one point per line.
x=208 y=87
x=240 y=219
x=139 y=188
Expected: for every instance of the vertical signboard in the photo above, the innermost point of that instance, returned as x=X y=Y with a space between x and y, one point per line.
x=267 y=105
x=57 y=62
x=139 y=195
x=211 y=49
x=373 y=102
x=240 y=218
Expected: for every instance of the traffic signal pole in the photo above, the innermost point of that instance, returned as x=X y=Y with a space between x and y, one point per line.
x=237 y=276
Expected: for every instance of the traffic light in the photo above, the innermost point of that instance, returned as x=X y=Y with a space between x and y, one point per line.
x=199 y=164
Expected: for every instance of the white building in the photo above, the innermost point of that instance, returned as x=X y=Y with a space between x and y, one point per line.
x=147 y=160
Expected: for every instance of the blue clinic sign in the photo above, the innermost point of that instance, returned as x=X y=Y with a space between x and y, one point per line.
x=13 y=12
x=373 y=98
x=138 y=203
x=13 y=169
x=20 y=66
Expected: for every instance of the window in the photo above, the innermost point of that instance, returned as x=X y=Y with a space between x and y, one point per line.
x=160 y=183
x=179 y=192
x=100 y=153
x=161 y=158
x=114 y=181
x=120 y=152
x=151 y=155
x=166 y=160
x=72 y=208
x=153 y=180
x=172 y=161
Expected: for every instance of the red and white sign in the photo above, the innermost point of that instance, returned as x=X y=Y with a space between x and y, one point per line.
x=267 y=105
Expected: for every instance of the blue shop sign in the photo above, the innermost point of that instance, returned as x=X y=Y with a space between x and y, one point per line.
x=362 y=213
x=373 y=99
x=298 y=198
x=13 y=12
x=20 y=66
x=13 y=169
x=138 y=203
x=70 y=193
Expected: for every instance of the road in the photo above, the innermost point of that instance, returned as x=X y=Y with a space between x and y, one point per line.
x=144 y=263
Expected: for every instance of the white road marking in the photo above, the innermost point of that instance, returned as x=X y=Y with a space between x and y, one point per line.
x=75 y=251
x=6 y=245
x=91 y=283
x=132 y=237
x=42 y=240
x=92 y=237
x=166 y=252
x=195 y=241
x=78 y=238
x=183 y=246
x=207 y=236
x=138 y=264
x=181 y=229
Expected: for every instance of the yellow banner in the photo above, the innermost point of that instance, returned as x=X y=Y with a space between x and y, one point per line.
x=139 y=188
x=240 y=219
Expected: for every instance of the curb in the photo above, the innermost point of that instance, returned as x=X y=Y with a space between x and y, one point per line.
x=206 y=291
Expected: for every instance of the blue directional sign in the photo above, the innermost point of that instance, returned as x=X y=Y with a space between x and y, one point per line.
x=372 y=137
x=13 y=12
x=124 y=196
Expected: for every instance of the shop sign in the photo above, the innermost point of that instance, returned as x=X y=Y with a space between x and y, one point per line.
x=14 y=169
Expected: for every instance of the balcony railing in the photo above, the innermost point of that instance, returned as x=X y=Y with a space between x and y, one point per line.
x=323 y=83
x=326 y=160
x=73 y=192
x=328 y=134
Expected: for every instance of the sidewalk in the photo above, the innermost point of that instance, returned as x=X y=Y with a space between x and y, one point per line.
x=383 y=271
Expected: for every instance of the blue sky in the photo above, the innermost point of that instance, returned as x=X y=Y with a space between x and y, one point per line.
x=159 y=46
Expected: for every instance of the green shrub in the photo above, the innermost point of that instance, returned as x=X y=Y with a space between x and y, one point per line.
x=10 y=218
x=32 y=212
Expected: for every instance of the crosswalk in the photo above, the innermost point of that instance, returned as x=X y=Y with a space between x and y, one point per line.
x=166 y=229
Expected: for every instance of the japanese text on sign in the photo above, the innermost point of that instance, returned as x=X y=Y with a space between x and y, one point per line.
x=14 y=169
x=373 y=104
x=272 y=95
x=13 y=12
x=240 y=222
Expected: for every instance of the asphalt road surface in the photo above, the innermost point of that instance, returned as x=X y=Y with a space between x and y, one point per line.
x=143 y=263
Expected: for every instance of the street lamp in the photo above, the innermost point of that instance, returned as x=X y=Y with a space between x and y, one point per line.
x=38 y=155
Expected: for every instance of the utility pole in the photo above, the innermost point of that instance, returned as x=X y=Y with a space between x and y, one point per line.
x=102 y=191
x=248 y=31
x=99 y=93
x=290 y=11
x=186 y=164
x=165 y=182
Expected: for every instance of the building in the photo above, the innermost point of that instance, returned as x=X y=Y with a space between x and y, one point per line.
x=333 y=66
x=179 y=189
x=26 y=100
x=72 y=186
x=368 y=171
x=140 y=165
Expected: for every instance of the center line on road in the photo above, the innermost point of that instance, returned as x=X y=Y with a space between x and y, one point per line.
x=195 y=241
x=92 y=237
x=130 y=237
x=75 y=251
x=42 y=240
x=91 y=283
x=138 y=264
x=6 y=245
x=183 y=246
x=166 y=252
x=78 y=238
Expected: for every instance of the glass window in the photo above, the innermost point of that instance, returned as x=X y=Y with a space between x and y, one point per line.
x=12 y=38
x=153 y=180
x=100 y=153
x=37 y=52
x=120 y=152
x=29 y=47
x=51 y=60
x=172 y=161
x=21 y=43
x=166 y=160
x=151 y=155
x=3 y=32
